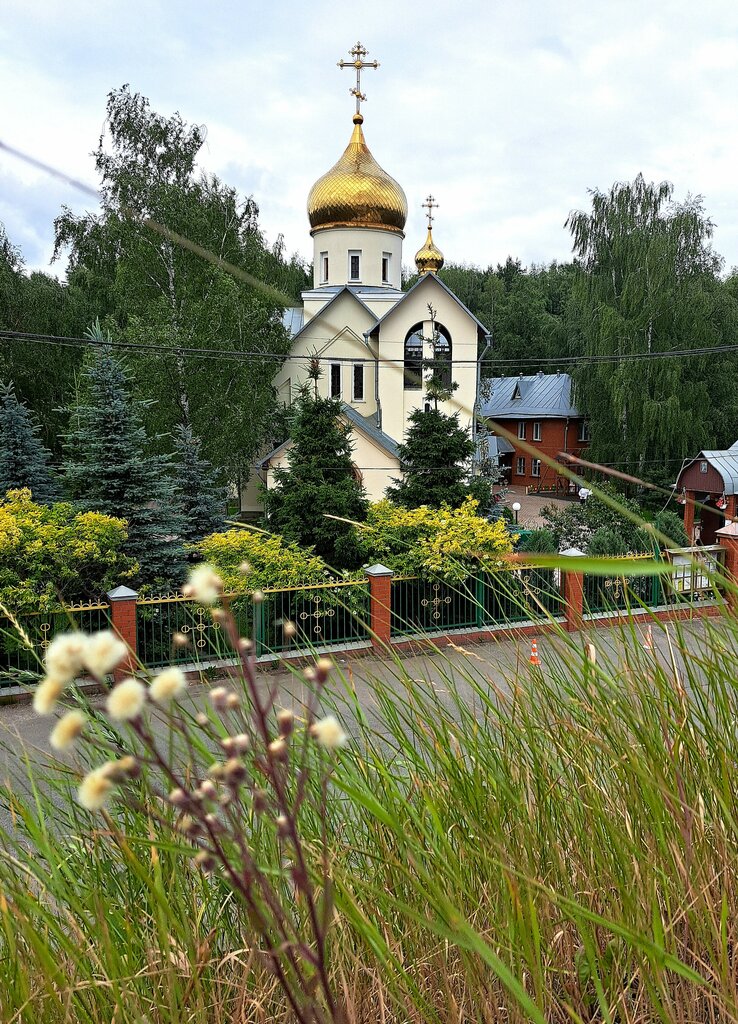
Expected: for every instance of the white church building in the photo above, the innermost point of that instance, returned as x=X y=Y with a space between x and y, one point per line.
x=371 y=338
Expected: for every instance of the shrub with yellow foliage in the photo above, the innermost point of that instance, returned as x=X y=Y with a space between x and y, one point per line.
x=271 y=561
x=445 y=543
x=53 y=553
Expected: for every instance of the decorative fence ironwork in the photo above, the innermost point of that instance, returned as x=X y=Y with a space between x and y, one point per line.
x=527 y=594
x=24 y=638
x=619 y=593
x=175 y=630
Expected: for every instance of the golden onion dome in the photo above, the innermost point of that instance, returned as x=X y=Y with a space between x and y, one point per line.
x=429 y=257
x=356 y=192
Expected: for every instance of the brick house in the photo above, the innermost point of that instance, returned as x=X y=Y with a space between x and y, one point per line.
x=708 y=488
x=537 y=410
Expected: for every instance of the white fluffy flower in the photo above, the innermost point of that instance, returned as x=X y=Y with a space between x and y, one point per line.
x=126 y=700
x=95 y=789
x=103 y=651
x=65 y=656
x=167 y=685
x=67 y=730
x=47 y=694
x=328 y=733
x=204 y=584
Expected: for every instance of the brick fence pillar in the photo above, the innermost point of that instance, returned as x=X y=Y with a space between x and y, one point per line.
x=380 y=604
x=572 y=586
x=727 y=538
x=123 y=620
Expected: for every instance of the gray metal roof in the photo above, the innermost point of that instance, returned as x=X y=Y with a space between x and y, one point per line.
x=292 y=318
x=367 y=424
x=491 y=446
x=725 y=461
x=545 y=395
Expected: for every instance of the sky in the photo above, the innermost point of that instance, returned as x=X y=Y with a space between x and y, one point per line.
x=508 y=111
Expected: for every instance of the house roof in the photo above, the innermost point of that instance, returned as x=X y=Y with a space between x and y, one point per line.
x=725 y=461
x=545 y=395
x=419 y=284
x=491 y=446
x=293 y=319
x=366 y=424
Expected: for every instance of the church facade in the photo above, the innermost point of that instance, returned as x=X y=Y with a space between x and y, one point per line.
x=371 y=338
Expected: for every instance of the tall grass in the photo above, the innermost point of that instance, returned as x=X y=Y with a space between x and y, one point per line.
x=558 y=847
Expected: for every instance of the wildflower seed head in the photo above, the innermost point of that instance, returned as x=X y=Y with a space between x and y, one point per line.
x=218 y=697
x=217 y=770
x=309 y=674
x=591 y=654
x=47 y=694
x=179 y=798
x=225 y=798
x=289 y=629
x=260 y=801
x=258 y=596
x=214 y=823
x=67 y=730
x=283 y=826
x=130 y=766
x=241 y=742
x=323 y=667
x=95 y=789
x=327 y=732
x=207 y=790
x=204 y=585
x=285 y=721
x=102 y=652
x=232 y=701
x=244 y=567
x=228 y=746
x=245 y=644
x=188 y=826
x=235 y=771
x=205 y=861
x=201 y=718
x=180 y=640
x=278 y=750
x=118 y=771
x=126 y=700
x=167 y=685
x=64 y=656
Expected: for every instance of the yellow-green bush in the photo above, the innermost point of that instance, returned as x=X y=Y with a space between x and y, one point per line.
x=445 y=542
x=54 y=552
x=272 y=561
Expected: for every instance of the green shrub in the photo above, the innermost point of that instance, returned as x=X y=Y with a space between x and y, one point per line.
x=55 y=552
x=272 y=561
x=541 y=541
x=605 y=541
x=574 y=525
x=672 y=526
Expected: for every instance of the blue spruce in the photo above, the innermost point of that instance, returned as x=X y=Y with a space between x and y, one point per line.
x=24 y=462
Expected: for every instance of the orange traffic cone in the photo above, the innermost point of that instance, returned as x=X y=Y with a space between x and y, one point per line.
x=534 y=659
x=648 y=642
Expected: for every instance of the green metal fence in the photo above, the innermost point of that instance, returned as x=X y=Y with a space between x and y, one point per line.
x=322 y=615
x=175 y=630
x=25 y=638
x=619 y=593
x=528 y=594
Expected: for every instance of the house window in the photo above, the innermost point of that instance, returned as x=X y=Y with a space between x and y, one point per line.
x=358 y=392
x=442 y=354
x=354 y=264
x=323 y=267
x=521 y=430
x=703 y=467
x=584 y=431
x=536 y=431
x=535 y=467
x=386 y=256
x=335 y=380
x=414 y=359
x=520 y=466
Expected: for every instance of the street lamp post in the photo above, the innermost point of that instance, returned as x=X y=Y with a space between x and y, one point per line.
x=516 y=509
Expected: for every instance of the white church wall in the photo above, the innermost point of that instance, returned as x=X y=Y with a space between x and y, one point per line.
x=337 y=243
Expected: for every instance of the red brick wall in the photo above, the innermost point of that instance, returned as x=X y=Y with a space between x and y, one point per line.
x=557 y=435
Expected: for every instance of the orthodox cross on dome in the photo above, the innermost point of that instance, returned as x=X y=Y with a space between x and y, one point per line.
x=429 y=203
x=358 y=53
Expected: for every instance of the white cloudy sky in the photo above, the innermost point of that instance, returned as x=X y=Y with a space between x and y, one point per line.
x=507 y=110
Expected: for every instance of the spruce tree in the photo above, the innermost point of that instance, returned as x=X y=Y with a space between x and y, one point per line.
x=24 y=462
x=434 y=460
x=199 y=497
x=109 y=467
x=319 y=482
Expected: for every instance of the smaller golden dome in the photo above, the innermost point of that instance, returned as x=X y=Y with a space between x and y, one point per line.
x=357 y=192
x=429 y=258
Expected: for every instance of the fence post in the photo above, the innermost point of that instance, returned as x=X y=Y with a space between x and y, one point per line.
x=572 y=585
x=727 y=538
x=123 y=620
x=380 y=604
